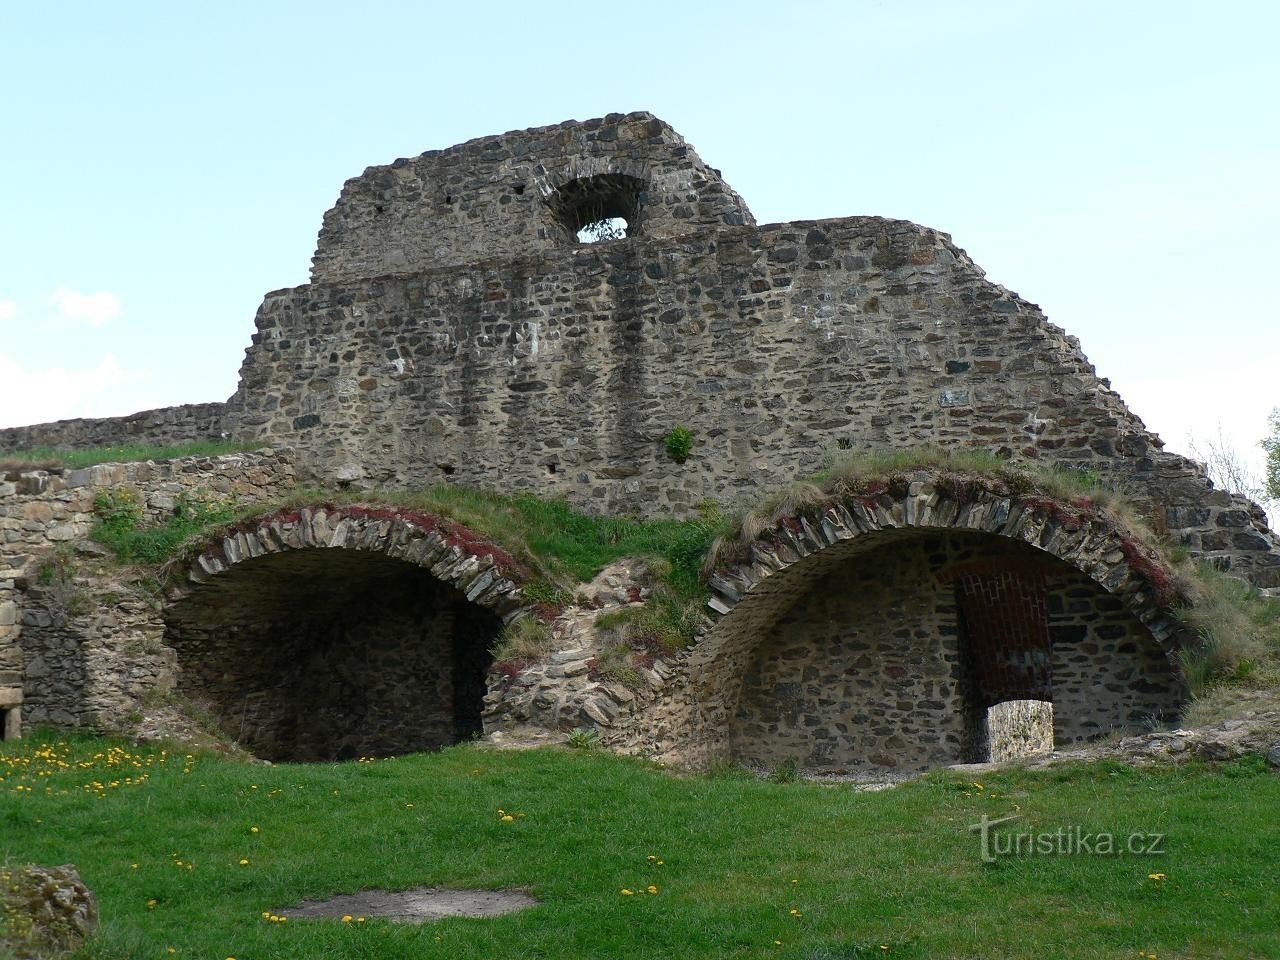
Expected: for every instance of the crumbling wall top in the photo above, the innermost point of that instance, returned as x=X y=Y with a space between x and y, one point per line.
x=521 y=193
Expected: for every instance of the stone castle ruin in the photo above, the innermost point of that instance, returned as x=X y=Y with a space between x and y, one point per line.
x=458 y=328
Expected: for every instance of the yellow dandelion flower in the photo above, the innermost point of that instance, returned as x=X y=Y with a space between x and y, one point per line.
x=651 y=889
x=346 y=918
x=627 y=893
x=359 y=919
x=244 y=863
x=253 y=829
x=1155 y=876
x=507 y=818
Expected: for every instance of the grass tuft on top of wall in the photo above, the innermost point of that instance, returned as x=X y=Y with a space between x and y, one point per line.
x=1236 y=631
x=562 y=547
x=54 y=458
x=857 y=475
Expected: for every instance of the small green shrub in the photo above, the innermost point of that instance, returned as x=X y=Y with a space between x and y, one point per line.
x=679 y=442
x=63 y=597
x=525 y=638
x=118 y=510
x=120 y=526
x=584 y=738
x=788 y=771
x=1237 y=633
x=617 y=662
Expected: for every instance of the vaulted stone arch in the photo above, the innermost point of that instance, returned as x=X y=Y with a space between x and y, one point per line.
x=851 y=617
x=336 y=632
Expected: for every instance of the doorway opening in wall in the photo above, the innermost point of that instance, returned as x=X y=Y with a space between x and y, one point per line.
x=1006 y=665
x=598 y=208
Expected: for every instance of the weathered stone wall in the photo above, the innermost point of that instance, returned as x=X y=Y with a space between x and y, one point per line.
x=1108 y=676
x=514 y=194
x=873 y=667
x=43 y=512
x=777 y=346
x=331 y=654
x=157 y=428
x=93 y=650
x=864 y=671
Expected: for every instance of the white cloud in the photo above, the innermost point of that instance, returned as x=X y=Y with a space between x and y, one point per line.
x=95 y=308
x=56 y=393
x=8 y=310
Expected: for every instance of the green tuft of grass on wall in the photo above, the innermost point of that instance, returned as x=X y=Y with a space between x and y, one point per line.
x=50 y=458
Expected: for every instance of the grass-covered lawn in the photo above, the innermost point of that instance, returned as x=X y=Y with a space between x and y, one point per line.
x=750 y=869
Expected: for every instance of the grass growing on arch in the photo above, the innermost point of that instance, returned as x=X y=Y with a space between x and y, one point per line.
x=897 y=868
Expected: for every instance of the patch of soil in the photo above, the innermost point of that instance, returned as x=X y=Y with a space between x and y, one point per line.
x=416 y=905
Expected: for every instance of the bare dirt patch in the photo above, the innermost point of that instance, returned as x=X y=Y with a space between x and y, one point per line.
x=416 y=905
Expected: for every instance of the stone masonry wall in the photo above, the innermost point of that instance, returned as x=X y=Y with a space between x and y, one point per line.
x=504 y=196
x=1108 y=676
x=872 y=668
x=43 y=514
x=321 y=655
x=777 y=346
x=93 y=650
x=862 y=672
x=157 y=428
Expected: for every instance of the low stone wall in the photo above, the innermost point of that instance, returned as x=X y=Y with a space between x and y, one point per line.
x=93 y=650
x=44 y=514
x=163 y=427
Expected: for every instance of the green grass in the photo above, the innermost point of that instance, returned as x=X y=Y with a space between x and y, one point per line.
x=45 y=458
x=1237 y=631
x=561 y=546
x=851 y=475
x=896 y=868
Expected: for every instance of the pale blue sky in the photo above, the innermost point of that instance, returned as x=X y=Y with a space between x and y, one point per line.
x=1114 y=162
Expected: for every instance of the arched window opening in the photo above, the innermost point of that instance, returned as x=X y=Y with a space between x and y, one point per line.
x=599 y=208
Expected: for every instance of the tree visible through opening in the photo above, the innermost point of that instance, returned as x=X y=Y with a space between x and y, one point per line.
x=598 y=208
x=608 y=228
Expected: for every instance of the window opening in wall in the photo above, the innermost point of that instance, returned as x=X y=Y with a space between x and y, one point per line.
x=599 y=208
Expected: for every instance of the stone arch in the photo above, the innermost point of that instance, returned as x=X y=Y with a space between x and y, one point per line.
x=755 y=598
x=335 y=632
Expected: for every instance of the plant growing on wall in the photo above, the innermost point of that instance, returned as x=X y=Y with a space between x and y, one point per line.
x=679 y=442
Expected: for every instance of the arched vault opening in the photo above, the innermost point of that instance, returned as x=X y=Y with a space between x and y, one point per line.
x=880 y=634
x=335 y=634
